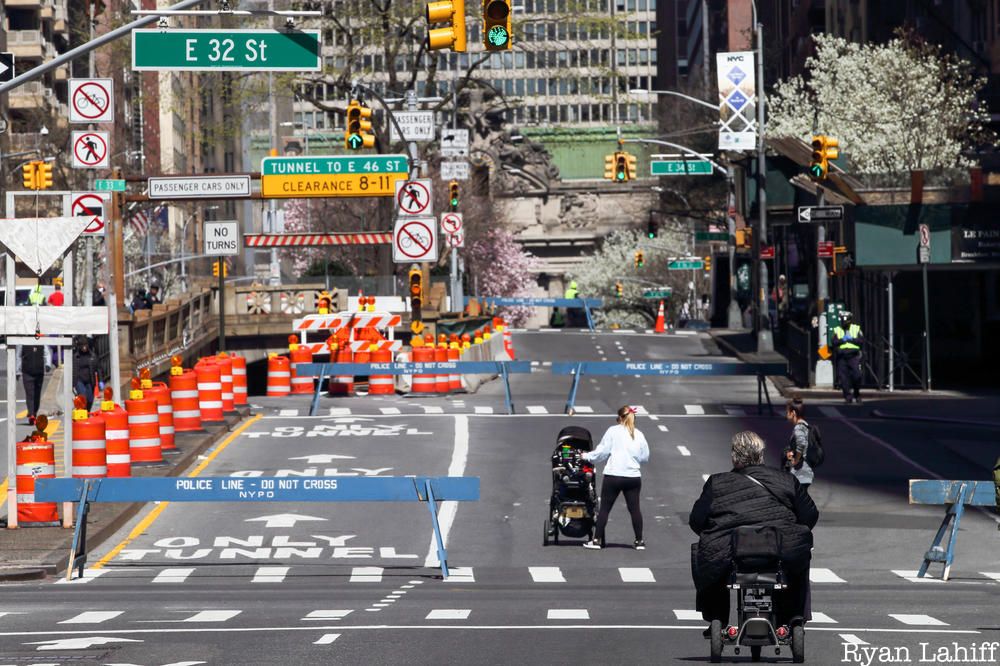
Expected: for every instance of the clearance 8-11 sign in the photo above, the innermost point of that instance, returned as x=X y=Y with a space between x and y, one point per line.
x=332 y=176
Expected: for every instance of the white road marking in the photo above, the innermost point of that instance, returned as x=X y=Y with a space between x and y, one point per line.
x=911 y=575
x=173 y=575
x=694 y=409
x=389 y=410
x=829 y=411
x=684 y=450
x=88 y=575
x=92 y=617
x=366 y=575
x=458 y=575
x=583 y=409
x=688 y=615
x=636 y=574
x=821 y=575
x=546 y=575
x=212 y=616
x=446 y=514
x=340 y=411
x=326 y=639
x=484 y=410
x=432 y=409
x=81 y=643
x=536 y=409
x=734 y=411
x=288 y=412
x=639 y=409
x=663 y=428
x=822 y=618
x=327 y=615
x=654 y=418
x=449 y=614
x=851 y=639
x=685 y=332
x=567 y=614
x=270 y=574
x=918 y=619
x=994 y=576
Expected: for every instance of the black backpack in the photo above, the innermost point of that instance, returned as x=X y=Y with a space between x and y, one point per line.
x=815 y=455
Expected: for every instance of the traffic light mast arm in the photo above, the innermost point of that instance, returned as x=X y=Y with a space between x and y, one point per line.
x=678 y=146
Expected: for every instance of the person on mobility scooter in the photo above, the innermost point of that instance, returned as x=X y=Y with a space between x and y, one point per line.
x=755 y=527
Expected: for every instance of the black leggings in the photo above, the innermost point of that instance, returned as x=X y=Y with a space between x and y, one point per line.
x=610 y=487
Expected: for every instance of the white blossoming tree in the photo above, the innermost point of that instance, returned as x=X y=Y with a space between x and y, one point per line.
x=894 y=107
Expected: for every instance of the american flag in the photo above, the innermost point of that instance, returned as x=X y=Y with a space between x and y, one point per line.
x=141 y=220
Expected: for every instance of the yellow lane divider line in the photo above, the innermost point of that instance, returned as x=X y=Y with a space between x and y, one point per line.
x=144 y=524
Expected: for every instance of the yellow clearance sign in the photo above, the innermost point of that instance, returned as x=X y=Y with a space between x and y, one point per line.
x=332 y=176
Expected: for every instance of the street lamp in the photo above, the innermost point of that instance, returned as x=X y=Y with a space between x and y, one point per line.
x=643 y=91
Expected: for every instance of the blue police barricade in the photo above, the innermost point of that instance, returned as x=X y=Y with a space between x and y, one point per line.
x=261 y=489
x=585 y=303
x=669 y=369
x=955 y=495
x=502 y=368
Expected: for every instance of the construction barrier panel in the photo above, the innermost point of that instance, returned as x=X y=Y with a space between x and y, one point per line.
x=454 y=353
x=279 y=376
x=34 y=460
x=184 y=400
x=442 y=382
x=161 y=394
x=209 y=391
x=239 y=379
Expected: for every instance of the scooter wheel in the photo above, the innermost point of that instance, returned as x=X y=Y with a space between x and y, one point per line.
x=716 y=639
x=798 y=644
x=545 y=534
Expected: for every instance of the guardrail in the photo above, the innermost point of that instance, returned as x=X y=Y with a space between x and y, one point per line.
x=955 y=495
x=152 y=336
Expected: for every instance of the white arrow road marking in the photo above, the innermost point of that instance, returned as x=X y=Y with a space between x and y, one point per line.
x=81 y=643
x=282 y=519
x=348 y=419
x=323 y=458
x=175 y=663
x=446 y=515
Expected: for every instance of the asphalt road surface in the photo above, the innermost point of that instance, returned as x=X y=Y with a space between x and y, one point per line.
x=338 y=583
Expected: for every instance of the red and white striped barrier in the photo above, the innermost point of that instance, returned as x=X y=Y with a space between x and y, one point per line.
x=315 y=240
x=385 y=345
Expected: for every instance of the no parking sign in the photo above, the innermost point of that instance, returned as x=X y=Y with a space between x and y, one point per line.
x=414 y=239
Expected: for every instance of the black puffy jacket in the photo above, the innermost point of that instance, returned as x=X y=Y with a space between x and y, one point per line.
x=730 y=500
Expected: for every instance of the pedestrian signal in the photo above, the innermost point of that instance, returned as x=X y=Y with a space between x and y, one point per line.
x=496 y=25
x=452 y=37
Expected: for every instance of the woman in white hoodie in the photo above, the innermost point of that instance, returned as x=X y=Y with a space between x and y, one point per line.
x=626 y=449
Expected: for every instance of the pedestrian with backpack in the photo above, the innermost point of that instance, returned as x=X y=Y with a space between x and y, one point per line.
x=804 y=451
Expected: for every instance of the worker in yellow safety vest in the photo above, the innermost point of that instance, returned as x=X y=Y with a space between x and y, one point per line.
x=36 y=297
x=847 y=342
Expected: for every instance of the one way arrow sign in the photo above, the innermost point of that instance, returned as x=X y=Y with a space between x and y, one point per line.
x=6 y=66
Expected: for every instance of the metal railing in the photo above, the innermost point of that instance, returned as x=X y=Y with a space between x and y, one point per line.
x=154 y=335
x=801 y=352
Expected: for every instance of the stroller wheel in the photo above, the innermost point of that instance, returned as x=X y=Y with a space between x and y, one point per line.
x=545 y=534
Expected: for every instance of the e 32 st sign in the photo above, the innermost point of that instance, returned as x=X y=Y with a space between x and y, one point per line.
x=229 y=50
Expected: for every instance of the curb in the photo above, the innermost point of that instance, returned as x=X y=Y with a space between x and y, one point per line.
x=934 y=419
x=20 y=574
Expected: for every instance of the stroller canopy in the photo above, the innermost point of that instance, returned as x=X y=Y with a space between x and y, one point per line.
x=576 y=437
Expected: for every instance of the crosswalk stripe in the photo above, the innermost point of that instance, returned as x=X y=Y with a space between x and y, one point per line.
x=583 y=409
x=88 y=575
x=213 y=616
x=536 y=409
x=389 y=410
x=636 y=575
x=546 y=575
x=327 y=615
x=694 y=409
x=663 y=428
x=173 y=575
x=684 y=450
x=911 y=575
x=326 y=639
x=340 y=411
x=568 y=614
x=366 y=575
x=92 y=617
x=639 y=409
x=685 y=614
x=449 y=614
x=270 y=574
x=821 y=575
x=433 y=409
x=829 y=411
x=484 y=410
x=852 y=639
x=918 y=619
x=460 y=575
x=734 y=411
x=994 y=575
x=288 y=412
x=822 y=618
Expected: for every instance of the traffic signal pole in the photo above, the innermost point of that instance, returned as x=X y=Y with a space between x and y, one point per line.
x=765 y=342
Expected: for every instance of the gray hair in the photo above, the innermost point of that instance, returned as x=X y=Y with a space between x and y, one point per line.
x=748 y=449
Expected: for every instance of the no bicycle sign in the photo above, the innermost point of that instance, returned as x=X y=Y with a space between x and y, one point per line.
x=414 y=239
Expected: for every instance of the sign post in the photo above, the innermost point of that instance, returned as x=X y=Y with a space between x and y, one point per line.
x=222 y=239
x=924 y=256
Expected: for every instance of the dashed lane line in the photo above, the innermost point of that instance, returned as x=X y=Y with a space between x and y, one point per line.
x=325 y=615
x=821 y=575
x=546 y=575
x=92 y=617
x=684 y=450
x=326 y=639
x=918 y=619
x=694 y=409
x=567 y=614
x=270 y=574
x=366 y=575
x=449 y=614
x=174 y=575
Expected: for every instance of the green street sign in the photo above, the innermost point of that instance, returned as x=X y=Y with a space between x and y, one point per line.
x=680 y=168
x=109 y=185
x=227 y=50
x=686 y=265
x=711 y=236
x=332 y=176
x=657 y=293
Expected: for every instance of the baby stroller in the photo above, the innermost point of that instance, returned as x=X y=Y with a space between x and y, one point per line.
x=573 y=505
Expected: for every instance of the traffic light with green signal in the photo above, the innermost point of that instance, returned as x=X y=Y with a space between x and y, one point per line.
x=451 y=37
x=358 y=134
x=618 y=290
x=640 y=259
x=652 y=228
x=824 y=149
x=453 y=195
x=496 y=25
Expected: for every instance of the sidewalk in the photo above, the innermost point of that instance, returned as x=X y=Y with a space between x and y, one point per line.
x=34 y=552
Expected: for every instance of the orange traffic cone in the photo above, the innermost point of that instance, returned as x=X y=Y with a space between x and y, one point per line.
x=660 y=327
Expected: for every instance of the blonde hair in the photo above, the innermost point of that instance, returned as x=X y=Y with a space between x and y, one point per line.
x=627 y=418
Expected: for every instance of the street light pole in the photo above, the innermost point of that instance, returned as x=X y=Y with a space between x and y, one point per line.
x=765 y=342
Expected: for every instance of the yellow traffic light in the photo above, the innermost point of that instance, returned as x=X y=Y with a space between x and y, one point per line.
x=30 y=175
x=44 y=178
x=824 y=150
x=609 y=166
x=621 y=167
x=496 y=25
x=618 y=289
x=416 y=280
x=640 y=259
x=215 y=268
x=633 y=169
x=453 y=195
x=744 y=237
x=452 y=37
x=708 y=264
x=358 y=135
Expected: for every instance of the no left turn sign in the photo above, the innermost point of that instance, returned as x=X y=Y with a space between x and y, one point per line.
x=91 y=101
x=90 y=150
x=451 y=223
x=92 y=205
x=414 y=239
x=413 y=197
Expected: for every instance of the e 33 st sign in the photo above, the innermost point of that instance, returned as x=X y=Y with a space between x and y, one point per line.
x=229 y=50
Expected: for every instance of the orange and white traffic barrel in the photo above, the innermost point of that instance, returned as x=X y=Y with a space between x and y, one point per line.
x=239 y=379
x=508 y=344
x=90 y=458
x=299 y=355
x=442 y=381
x=34 y=459
x=279 y=375
x=362 y=356
x=423 y=383
x=454 y=379
x=184 y=397
x=226 y=379
x=165 y=408
x=209 y=390
x=339 y=353
x=380 y=384
x=143 y=427
x=115 y=418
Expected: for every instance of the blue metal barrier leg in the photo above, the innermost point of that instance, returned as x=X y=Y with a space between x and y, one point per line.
x=590 y=319
x=432 y=505
x=571 y=400
x=949 y=526
x=78 y=547
x=319 y=387
x=506 y=387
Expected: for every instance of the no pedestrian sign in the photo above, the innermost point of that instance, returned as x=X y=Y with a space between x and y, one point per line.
x=413 y=197
x=414 y=239
x=222 y=239
x=91 y=101
x=90 y=150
